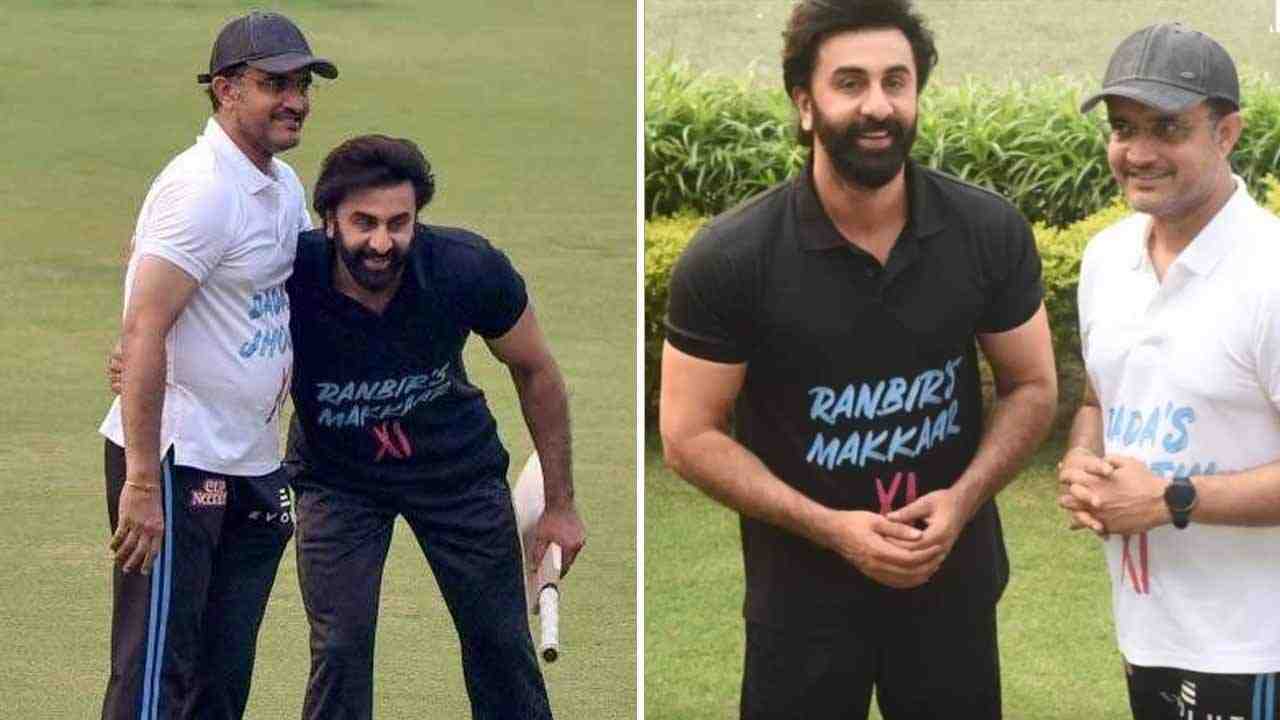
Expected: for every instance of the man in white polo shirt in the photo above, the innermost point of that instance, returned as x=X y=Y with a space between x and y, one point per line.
x=1174 y=454
x=197 y=502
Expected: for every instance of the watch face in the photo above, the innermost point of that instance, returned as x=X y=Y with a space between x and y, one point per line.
x=1180 y=494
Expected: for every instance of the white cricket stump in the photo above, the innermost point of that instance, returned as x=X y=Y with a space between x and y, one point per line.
x=541 y=584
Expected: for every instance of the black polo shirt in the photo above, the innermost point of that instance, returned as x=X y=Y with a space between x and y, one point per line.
x=862 y=387
x=383 y=401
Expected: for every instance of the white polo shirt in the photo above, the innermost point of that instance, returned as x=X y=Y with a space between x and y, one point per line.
x=233 y=229
x=1188 y=375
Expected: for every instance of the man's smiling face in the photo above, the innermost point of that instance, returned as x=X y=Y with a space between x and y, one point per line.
x=861 y=104
x=1167 y=164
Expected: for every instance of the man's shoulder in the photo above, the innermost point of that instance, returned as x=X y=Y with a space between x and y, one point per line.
x=1261 y=228
x=312 y=244
x=968 y=199
x=311 y=260
x=288 y=176
x=453 y=256
x=191 y=189
x=1255 y=252
x=196 y=169
x=1117 y=240
x=746 y=226
x=451 y=244
x=1130 y=226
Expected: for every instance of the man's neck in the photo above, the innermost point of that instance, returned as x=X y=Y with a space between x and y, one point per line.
x=375 y=301
x=1171 y=235
x=870 y=219
x=260 y=158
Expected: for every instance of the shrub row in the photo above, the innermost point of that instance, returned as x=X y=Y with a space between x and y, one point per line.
x=664 y=240
x=712 y=141
x=1060 y=251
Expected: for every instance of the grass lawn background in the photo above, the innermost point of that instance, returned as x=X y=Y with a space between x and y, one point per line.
x=527 y=112
x=1058 y=656
x=994 y=39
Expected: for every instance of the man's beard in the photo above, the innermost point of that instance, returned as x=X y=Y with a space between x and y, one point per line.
x=368 y=278
x=870 y=169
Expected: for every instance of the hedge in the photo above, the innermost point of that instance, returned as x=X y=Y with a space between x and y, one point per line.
x=664 y=240
x=711 y=141
x=1060 y=251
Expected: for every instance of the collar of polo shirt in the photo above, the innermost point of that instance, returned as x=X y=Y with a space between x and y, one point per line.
x=820 y=234
x=1211 y=244
x=246 y=174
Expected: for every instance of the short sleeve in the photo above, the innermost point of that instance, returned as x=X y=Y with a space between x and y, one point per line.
x=1016 y=291
x=187 y=223
x=1267 y=345
x=708 y=307
x=496 y=296
x=1084 y=296
x=304 y=217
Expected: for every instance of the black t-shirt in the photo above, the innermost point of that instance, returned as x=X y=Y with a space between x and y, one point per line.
x=862 y=388
x=383 y=401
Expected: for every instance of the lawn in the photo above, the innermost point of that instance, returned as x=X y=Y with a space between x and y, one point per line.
x=1057 y=650
x=1058 y=653
x=527 y=112
x=992 y=39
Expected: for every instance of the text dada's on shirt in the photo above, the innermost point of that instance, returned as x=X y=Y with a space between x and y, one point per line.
x=233 y=229
x=1188 y=375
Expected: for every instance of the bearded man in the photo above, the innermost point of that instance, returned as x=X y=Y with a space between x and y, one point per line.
x=389 y=425
x=834 y=318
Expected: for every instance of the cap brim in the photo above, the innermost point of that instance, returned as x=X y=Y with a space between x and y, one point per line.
x=1165 y=98
x=288 y=62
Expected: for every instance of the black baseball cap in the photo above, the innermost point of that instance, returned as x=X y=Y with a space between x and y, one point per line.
x=1169 y=67
x=267 y=41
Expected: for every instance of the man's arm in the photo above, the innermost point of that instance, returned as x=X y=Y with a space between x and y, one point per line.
x=694 y=408
x=160 y=291
x=1086 y=426
x=545 y=405
x=1131 y=499
x=1120 y=494
x=1250 y=498
x=1026 y=399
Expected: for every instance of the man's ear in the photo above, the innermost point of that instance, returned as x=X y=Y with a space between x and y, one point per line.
x=330 y=224
x=226 y=90
x=803 y=101
x=1227 y=133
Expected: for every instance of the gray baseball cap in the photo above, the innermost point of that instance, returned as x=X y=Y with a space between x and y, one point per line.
x=1170 y=67
x=267 y=41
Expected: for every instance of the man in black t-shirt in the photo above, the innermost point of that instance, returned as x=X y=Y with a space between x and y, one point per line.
x=387 y=423
x=834 y=317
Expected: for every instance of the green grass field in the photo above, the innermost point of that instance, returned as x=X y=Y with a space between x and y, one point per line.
x=992 y=39
x=1057 y=652
x=1058 y=655
x=527 y=111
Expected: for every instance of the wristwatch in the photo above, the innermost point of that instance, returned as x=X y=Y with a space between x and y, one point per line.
x=1180 y=496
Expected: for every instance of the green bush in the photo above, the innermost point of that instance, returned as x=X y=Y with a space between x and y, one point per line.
x=664 y=240
x=712 y=141
x=1028 y=142
x=1060 y=251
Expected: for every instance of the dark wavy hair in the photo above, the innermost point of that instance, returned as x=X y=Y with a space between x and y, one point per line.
x=372 y=161
x=813 y=21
